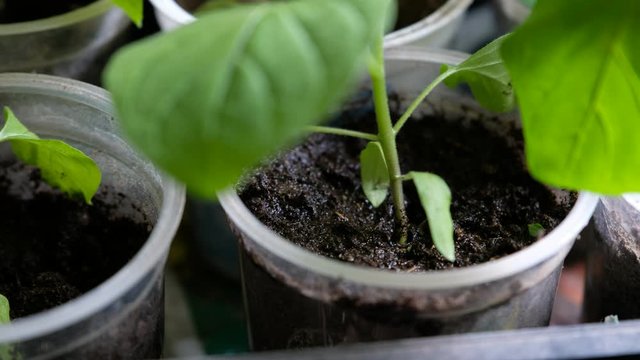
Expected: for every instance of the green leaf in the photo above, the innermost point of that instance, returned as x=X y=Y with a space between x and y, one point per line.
x=215 y=5
x=486 y=75
x=61 y=165
x=211 y=99
x=577 y=76
x=435 y=197
x=133 y=9
x=535 y=229
x=529 y=3
x=4 y=310
x=374 y=173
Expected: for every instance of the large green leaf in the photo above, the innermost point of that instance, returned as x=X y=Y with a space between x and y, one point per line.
x=576 y=69
x=486 y=75
x=60 y=165
x=374 y=173
x=209 y=100
x=4 y=310
x=435 y=198
x=133 y=9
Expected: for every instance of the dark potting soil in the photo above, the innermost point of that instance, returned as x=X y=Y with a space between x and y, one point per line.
x=312 y=195
x=55 y=248
x=13 y=11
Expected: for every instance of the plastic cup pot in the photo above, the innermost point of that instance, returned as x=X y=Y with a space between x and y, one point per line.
x=123 y=317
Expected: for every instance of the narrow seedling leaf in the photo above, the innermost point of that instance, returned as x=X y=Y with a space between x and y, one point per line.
x=374 y=173
x=486 y=75
x=219 y=93
x=133 y=9
x=535 y=229
x=435 y=198
x=579 y=93
x=4 y=310
x=61 y=165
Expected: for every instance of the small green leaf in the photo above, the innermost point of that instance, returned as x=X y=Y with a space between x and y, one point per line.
x=4 y=310
x=577 y=76
x=535 y=229
x=374 y=173
x=133 y=9
x=61 y=165
x=211 y=99
x=435 y=197
x=486 y=75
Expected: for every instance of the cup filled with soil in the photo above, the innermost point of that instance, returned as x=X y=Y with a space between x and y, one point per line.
x=321 y=266
x=83 y=280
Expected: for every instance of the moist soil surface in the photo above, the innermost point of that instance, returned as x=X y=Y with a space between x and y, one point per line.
x=312 y=195
x=55 y=248
x=13 y=11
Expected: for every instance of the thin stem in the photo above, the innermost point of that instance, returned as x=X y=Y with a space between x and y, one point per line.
x=387 y=136
x=343 y=132
x=414 y=105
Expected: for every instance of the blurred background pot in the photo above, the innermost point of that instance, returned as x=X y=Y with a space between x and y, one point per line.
x=295 y=298
x=612 y=284
x=74 y=44
x=512 y=13
x=436 y=29
x=124 y=316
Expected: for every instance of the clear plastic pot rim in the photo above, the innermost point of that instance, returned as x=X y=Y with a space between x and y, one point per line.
x=436 y=20
x=72 y=17
x=554 y=242
x=515 y=10
x=430 y=24
x=153 y=251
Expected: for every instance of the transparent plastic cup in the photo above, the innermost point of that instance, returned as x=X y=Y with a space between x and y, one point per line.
x=436 y=30
x=511 y=13
x=124 y=316
x=613 y=261
x=74 y=45
x=295 y=298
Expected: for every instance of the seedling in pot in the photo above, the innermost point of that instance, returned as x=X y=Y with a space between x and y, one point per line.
x=257 y=27
x=61 y=166
x=210 y=100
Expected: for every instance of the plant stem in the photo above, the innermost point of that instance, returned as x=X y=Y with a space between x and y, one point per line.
x=343 y=132
x=387 y=136
x=414 y=105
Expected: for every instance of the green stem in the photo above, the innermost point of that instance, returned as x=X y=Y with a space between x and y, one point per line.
x=387 y=136
x=343 y=132
x=414 y=105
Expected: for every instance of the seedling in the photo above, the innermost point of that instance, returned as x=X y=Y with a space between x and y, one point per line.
x=210 y=100
x=61 y=166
